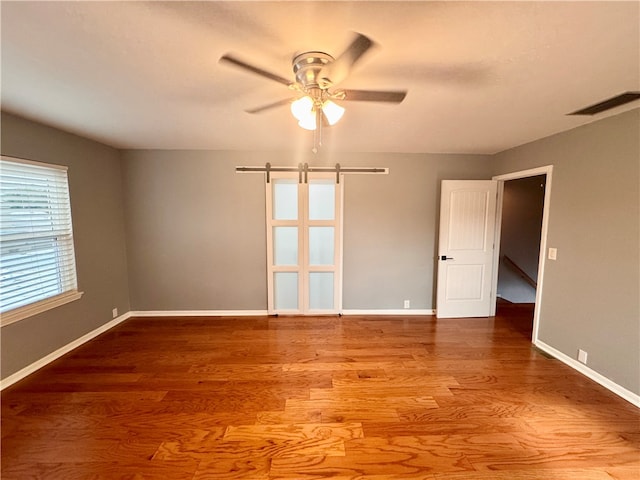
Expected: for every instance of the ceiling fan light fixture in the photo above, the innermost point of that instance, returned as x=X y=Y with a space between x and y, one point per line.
x=308 y=122
x=302 y=108
x=332 y=111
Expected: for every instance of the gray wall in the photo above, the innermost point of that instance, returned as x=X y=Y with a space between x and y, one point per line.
x=95 y=187
x=196 y=229
x=591 y=292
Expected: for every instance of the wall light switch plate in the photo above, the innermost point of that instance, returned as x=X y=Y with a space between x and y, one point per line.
x=553 y=253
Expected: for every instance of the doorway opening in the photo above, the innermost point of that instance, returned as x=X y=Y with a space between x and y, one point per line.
x=521 y=233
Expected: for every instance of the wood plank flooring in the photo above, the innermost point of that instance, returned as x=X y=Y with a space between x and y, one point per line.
x=342 y=398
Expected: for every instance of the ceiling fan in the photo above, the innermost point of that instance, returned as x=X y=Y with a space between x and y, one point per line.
x=316 y=76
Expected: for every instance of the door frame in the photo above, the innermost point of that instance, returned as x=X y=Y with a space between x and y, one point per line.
x=548 y=171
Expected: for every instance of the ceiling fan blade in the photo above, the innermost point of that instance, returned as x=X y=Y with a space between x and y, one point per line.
x=336 y=71
x=270 y=105
x=259 y=71
x=371 y=95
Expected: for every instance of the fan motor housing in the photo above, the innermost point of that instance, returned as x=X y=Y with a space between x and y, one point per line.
x=307 y=67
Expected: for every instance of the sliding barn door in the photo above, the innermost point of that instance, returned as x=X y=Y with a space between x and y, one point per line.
x=304 y=241
x=465 y=248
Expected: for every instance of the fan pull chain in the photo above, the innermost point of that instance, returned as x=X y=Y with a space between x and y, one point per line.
x=317 y=133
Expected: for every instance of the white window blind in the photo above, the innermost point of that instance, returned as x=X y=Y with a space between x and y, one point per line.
x=37 y=261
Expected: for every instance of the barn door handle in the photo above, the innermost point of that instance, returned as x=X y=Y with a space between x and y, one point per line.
x=444 y=257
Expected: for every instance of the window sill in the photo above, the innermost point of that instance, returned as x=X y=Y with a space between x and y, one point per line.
x=21 y=313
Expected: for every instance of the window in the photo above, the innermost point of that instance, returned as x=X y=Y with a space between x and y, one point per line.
x=37 y=261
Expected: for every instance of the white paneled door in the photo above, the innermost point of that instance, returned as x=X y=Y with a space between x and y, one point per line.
x=304 y=221
x=465 y=248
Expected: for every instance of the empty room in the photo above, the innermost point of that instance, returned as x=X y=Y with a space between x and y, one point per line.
x=349 y=240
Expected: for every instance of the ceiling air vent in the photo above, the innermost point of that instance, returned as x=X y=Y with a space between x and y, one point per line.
x=608 y=104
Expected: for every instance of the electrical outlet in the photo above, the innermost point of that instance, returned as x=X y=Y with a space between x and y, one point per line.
x=114 y=312
x=407 y=304
x=582 y=356
x=553 y=253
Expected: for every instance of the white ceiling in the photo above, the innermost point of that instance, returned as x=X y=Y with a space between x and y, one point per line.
x=481 y=76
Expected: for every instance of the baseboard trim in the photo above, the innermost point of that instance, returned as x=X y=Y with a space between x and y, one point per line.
x=402 y=312
x=622 y=392
x=38 y=364
x=259 y=313
x=199 y=313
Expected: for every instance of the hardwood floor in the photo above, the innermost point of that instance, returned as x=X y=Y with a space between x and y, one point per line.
x=367 y=398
